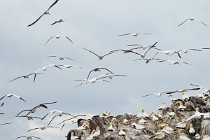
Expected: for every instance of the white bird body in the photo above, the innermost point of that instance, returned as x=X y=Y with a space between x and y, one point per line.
x=198 y=115
x=167 y=129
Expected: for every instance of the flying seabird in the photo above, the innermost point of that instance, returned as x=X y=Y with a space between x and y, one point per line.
x=28 y=137
x=45 y=13
x=61 y=57
x=5 y=123
x=42 y=128
x=12 y=95
x=134 y=34
x=192 y=19
x=27 y=76
x=57 y=21
x=174 y=62
x=100 y=57
x=47 y=66
x=93 y=80
x=58 y=37
x=43 y=105
x=69 y=66
x=96 y=70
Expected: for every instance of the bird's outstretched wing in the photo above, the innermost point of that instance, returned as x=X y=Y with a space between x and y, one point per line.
x=16 y=78
x=47 y=11
x=52 y=4
x=49 y=40
x=183 y=22
x=37 y=19
x=203 y=23
x=91 y=52
x=69 y=39
x=124 y=34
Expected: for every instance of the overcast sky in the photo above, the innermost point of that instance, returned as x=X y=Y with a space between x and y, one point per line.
x=95 y=25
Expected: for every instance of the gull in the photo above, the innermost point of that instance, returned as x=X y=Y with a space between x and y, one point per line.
x=47 y=66
x=5 y=123
x=42 y=128
x=43 y=105
x=61 y=58
x=100 y=57
x=134 y=34
x=58 y=37
x=45 y=13
x=58 y=21
x=27 y=76
x=96 y=70
x=12 y=95
x=28 y=137
x=192 y=19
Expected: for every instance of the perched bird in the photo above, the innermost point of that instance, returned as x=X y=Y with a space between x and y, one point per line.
x=45 y=13
x=12 y=95
x=26 y=76
x=162 y=106
x=191 y=130
x=100 y=57
x=61 y=57
x=192 y=19
x=58 y=37
x=58 y=21
x=28 y=137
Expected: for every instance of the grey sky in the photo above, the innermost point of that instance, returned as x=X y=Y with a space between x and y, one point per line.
x=95 y=24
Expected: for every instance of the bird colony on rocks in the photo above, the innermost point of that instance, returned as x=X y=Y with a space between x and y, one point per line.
x=187 y=118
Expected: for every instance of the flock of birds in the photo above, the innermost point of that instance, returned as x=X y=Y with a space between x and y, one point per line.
x=186 y=119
